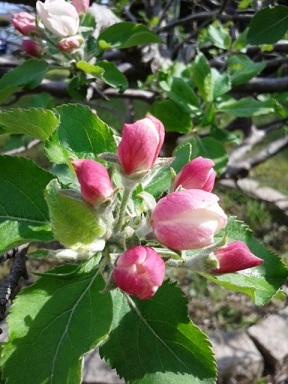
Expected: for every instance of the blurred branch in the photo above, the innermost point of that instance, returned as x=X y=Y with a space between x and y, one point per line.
x=263 y=85
x=17 y=271
x=17 y=151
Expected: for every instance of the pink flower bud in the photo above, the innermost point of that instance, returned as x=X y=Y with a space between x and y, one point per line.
x=94 y=181
x=139 y=271
x=234 y=257
x=32 y=48
x=81 y=5
x=59 y=17
x=198 y=174
x=24 y=23
x=187 y=219
x=68 y=44
x=140 y=145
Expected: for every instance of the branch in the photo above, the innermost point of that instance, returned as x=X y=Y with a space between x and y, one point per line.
x=202 y=16
x=17 y=271
x=263 y=85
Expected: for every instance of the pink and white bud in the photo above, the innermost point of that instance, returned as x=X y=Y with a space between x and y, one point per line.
x=234 y=257
x=94 y=181
x=68 y=44
x=32 y=48
x=140 y=145
x=24 y=23
x=140 y=271
x=59 y=17
x=187 y=219
x=81 y=6
x=197 y=174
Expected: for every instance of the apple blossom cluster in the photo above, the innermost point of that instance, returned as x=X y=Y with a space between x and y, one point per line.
x=57 y=25
x=141 y=239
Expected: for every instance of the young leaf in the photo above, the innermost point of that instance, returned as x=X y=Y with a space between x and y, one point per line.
x=261 y=282
x=53 y=323
x=220 y=84
x=28 y=74
x=126 y=35
x=242 y=69
x=268 y=25
x=154 y=341
x=74 y=223
x=172 y=116
x=38 y=123
x=81 y=134
x=23 y=210
x=219 y=36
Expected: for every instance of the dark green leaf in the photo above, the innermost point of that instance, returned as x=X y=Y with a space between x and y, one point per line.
x=162 y=344
x=54 y=323
x=172 y=116
x=23 y=210
x=268 y=25
x=182 y=94
x=112 y=76
x=246 y=107
x=261 y=282
x=212 y=149
x=126 y=35
x=220 y=84
x=38 y=123
x=28 y=74
x=81 y=134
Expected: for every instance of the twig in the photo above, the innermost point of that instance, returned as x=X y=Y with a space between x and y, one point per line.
x=16 y=151
x=17 y=271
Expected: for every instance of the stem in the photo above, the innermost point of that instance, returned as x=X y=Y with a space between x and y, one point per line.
x=126 y=194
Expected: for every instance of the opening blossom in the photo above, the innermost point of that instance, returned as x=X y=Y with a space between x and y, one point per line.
x=197 y=174
x=234 y=257
x=140 y=145
x=59 y=17
x=94 y=181
x=139 y=271
x=24 y=23
x=187 y=219
x=68 y=44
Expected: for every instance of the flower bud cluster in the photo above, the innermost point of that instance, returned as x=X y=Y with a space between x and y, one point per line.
x=57 y=22
x=185 y=219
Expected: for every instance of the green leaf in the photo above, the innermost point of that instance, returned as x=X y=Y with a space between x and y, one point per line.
x=201 y=75
x=28 y=74
x=172 y=116
x=23 y=211
x=219 y=84
x=162 y=344
x=242 y=69
x=81 y=134
x=74 y=222
x=112 y=76
x=219 y=36
x=183 y=154
x=268 y=25
x=126 y=35
x=212 y=149
x=261 y=282
x=159 y=181
x=246 y=107
x=225 y=136
x=53 y=323
x=38 y=123
x=182 y=94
